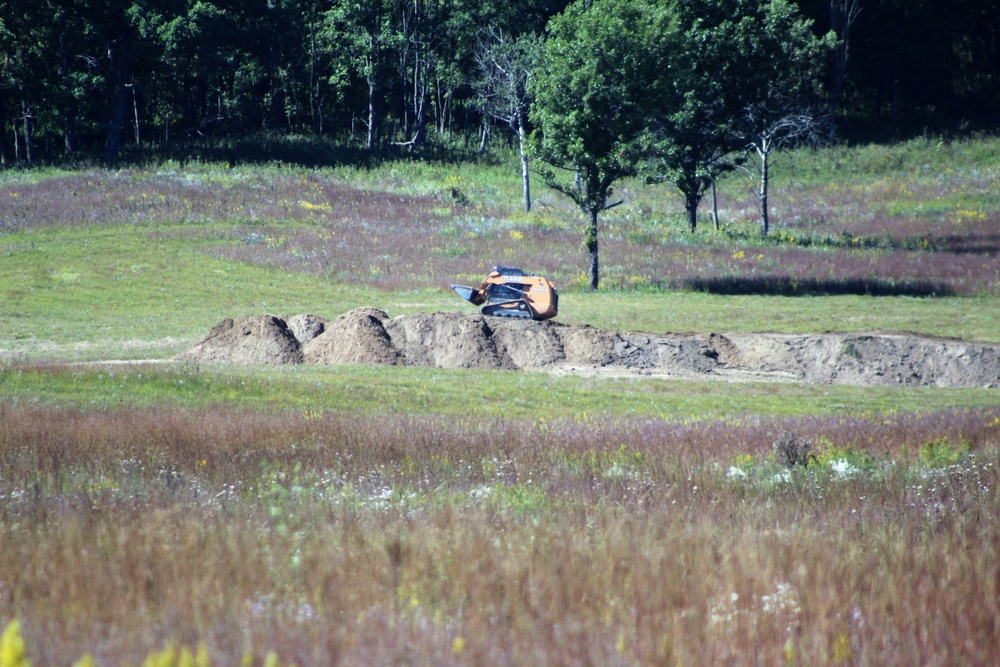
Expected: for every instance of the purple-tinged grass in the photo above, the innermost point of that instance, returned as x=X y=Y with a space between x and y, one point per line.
x=833 y=239
x=345 y=540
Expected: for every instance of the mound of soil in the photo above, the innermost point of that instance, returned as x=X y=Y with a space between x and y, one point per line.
x=451 y=340
x=869 y=359
x=529 y=345
x=357 y=337
x=252 y=339
x=588 y=346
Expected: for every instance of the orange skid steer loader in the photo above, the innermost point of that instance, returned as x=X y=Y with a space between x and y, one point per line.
x=510 y=292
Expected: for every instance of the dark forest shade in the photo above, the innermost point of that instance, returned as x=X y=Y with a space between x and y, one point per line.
x=96 y=78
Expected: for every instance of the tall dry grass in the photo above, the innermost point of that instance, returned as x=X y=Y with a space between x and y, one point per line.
x=332 y=539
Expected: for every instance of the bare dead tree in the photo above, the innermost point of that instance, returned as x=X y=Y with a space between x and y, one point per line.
x=792 y=129
x=505 y=67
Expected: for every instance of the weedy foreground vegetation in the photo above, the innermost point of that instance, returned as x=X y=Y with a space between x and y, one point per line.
x=335 y=539
x=421 y=516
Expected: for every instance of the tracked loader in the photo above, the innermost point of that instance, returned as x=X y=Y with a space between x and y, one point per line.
x=510 y=292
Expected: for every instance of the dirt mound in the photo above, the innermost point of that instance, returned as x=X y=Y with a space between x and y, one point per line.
x=357 y=337
x=588 y=346
x=527 y=345
x=252 y=339
x=451 y=340
x=869 y=359
x=305 y=327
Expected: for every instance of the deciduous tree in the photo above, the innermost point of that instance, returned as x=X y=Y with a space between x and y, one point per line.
x=728 y=70
x=359 y=36
x=591 y=103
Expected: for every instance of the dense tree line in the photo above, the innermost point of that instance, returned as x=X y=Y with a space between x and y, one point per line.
x=912 y=66
x=89 y=76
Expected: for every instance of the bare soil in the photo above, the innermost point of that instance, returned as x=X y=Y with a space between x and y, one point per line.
x=452 y=340
x=251 y=339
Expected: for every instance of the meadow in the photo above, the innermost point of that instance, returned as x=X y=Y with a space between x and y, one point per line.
x=179 y=514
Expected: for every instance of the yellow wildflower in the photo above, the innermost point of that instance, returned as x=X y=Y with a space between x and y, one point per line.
x=12 y=650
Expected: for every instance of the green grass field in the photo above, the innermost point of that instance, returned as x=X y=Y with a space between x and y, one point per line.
x=112 y=292
x=463 y=394
x=383 y=515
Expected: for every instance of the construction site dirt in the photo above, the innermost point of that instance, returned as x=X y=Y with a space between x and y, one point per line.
x=452 y=340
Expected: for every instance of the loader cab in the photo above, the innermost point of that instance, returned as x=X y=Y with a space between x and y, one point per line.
x=508 y=271
x=505 y=292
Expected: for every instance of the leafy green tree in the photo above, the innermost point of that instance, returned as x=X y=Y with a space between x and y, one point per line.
x=76 y=74
x=190 y=75
x=23 y=37
x=118 y=33
x=591 y=104
x=359 y=36
x=730 y=69
x=285 y=39
x=691 y=125
x=49 y=75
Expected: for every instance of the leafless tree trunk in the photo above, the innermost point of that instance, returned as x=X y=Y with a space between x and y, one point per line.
x=3 y=128
x=764 y=149
x=525 y=172
x=17 y=143
x=794 y=128
x=691 y=200
x=506 y=66
x=421 y=100
x=26 y=118
x=374 y=121
x=716 y=166
x=484 y=134
x=590 y=240
x=415 y=70
x=119 y=55
x=69 y=113
x=843 y=14
x=715 y=206
x=443 y=103
x=69 y=133
x=135 y=112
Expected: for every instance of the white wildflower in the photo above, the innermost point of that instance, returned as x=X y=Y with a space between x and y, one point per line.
x=843 y=468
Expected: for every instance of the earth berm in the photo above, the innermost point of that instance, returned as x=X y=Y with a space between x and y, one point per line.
x=453 y=340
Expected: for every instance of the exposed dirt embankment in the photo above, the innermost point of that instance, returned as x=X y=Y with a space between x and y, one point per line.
x=452 y=340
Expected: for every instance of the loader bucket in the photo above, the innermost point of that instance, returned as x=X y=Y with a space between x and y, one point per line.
x=465 y=292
